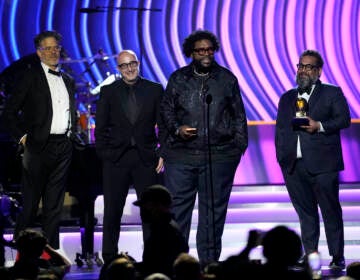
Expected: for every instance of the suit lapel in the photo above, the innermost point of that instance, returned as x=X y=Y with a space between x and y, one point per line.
x=120 y=93
x=293 y=101
x=46 y=88
x=315 y=96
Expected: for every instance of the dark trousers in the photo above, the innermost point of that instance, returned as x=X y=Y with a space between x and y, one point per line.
x=117 y=179
x=44 y=177
x=307 y=192
x=184 y=181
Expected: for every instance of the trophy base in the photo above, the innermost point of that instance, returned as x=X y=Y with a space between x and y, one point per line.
x=300 y=121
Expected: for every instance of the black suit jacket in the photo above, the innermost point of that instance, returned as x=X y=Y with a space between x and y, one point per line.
x=113 y=130
x=28 y=108
x=321 y=151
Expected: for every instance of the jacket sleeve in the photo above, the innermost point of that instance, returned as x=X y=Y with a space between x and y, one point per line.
x=279 y=130
x=162 y=132
x=340 y=113
x=101 y=127
x=15 y=102
x=167 y=107
x=240 y=121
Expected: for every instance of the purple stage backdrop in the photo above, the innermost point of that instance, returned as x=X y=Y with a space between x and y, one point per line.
x=260 y=42
x=259 y=166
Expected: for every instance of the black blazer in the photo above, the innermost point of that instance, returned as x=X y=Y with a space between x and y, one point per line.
x=28 y=108
x=113 y=130
x=321 y=152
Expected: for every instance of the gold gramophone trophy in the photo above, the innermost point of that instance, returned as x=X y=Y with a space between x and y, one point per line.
x=301 y=112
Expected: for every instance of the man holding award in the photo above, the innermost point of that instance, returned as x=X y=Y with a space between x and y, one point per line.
x=308 y=149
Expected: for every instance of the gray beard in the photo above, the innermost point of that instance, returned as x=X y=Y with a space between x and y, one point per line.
x=305 y=82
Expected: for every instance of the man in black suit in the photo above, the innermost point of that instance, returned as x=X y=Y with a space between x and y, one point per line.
x=40 y=114
x=126 y=115
x=310 y=155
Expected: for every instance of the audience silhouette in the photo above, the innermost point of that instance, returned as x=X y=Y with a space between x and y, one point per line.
x=30 y=264
x=353 y=270
x=186 y=267
x=165 y=241
x=121 y=267
x=281 y=247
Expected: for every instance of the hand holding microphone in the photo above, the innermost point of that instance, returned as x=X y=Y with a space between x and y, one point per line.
x=186 y=132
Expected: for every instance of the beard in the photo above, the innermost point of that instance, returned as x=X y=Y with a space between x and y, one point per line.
x=200 y=68
x=305 y=81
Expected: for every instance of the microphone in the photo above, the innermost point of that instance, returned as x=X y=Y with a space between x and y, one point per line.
x=208 y=99
x=89 y=10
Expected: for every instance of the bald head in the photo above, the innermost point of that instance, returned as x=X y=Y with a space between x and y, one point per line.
x=128 y=65
x=126 y=53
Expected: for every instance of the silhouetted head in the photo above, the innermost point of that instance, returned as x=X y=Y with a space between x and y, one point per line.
x=157 y=276
x=155 y=204
x=186 y=267
x=282 y=246
x=353 y=270
x=120 y=268
x=30 y=243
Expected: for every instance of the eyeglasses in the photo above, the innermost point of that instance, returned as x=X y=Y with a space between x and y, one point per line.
x=132 y=64
x=306 y=67
x=50 y=49
x=203 y=51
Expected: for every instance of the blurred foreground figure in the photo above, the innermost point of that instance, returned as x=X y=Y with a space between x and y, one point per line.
x=165 y=241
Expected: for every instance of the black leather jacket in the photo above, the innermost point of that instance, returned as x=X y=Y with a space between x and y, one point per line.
x=186 y=103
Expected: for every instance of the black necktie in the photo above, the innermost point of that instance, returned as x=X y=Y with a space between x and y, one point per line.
x=132 y=105
x=57 y=73
x=132 y=110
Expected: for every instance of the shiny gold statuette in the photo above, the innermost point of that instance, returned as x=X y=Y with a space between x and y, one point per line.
x=301 y=112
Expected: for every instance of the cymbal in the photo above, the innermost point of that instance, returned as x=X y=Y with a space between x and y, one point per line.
x=111 y=78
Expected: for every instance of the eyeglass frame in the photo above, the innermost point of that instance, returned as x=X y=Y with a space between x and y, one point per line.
x=203 y=51
x=57 y=48
x=132 y=64
x=306 y=67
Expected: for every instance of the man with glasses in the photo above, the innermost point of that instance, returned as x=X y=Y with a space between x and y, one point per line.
x=204 y=115
x=126 y=140
x=40 y=114
x=310 y=155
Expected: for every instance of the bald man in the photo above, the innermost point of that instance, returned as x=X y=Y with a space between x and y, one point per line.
x=127 y=142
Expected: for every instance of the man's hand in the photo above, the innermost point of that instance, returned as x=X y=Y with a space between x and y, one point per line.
x=186 y=132
x=313 y=126
x=160 y=165
x=23 y=140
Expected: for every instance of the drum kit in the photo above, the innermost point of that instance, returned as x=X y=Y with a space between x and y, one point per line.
x=86 y=93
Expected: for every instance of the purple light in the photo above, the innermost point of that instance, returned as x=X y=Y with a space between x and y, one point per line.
x=201 y=15
x=174 y=35
x=150 y=53
x=291 y=40
x=117 y=32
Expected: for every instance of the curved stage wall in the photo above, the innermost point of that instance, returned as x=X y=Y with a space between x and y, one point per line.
x=259 y=165
x=260 y=42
